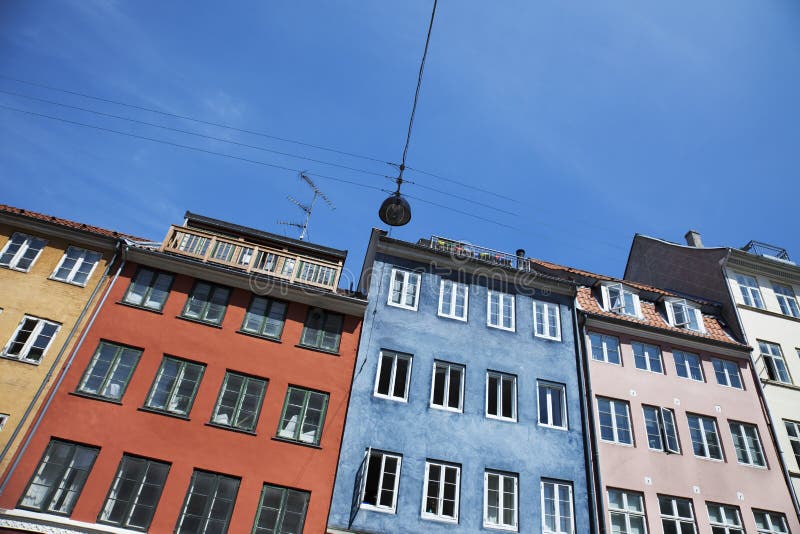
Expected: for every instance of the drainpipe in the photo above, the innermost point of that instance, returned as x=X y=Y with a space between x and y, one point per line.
x=761 y=396
x=593 y=481
x=120 y=250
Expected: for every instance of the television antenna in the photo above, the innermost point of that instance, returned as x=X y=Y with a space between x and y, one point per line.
x=307 y=209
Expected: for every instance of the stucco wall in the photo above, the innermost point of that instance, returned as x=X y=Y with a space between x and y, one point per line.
x=419 y=432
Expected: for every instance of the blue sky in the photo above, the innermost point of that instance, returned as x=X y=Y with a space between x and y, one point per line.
x=600 y=119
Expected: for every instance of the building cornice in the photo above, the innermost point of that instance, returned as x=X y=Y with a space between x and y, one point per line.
x=743 y=261
x=73 y=235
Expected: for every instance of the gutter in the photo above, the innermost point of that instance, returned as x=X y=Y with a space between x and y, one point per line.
x=121 y=251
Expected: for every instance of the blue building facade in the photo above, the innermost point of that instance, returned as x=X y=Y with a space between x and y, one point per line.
x=465 y=413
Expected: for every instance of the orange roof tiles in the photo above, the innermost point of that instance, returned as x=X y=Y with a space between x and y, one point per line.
x=66 y=223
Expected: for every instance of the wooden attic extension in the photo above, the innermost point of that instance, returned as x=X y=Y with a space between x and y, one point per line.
x=254 y=251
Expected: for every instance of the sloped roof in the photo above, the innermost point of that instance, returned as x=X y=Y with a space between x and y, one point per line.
x=52 y=219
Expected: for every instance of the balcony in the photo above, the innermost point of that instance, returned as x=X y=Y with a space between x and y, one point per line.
x=462 y=249
x=252 y=258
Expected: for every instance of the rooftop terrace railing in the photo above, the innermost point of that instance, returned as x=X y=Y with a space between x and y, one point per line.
x=251 y=258
x=463 y=249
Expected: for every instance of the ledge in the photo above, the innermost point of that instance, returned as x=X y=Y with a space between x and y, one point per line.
x=95 y=397
x=315 y=349
x=160 y=412
x=136 y=306
x=293 y=442
x=198 y=321
x=231 y=429
x=259 y=336
x=768 y=312
x=770 y=382
x=20 y=360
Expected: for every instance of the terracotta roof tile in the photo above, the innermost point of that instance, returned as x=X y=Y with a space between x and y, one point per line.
x=66 y=223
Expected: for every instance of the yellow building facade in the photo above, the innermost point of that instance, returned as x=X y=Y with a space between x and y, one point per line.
x=52 y=272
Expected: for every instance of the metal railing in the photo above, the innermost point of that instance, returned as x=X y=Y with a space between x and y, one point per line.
x=463 y=249
x=252 y=258
x=765 y=249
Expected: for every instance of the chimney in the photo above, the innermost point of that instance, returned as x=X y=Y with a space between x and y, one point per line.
x=693 y=239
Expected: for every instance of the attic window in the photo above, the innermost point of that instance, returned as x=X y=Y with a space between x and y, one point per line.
x=619 y=299
x=683 y=315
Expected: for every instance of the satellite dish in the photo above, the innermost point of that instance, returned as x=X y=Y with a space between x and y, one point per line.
x=395 y=210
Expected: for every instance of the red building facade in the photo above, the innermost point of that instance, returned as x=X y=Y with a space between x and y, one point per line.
x=208 y=395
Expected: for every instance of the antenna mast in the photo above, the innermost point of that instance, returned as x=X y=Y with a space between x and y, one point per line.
x=307 y=209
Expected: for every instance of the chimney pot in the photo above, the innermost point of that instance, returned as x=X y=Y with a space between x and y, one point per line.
x=693 y=239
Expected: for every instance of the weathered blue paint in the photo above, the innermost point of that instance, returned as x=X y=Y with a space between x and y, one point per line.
x=419 y=432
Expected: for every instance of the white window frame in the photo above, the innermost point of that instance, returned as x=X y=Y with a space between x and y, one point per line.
x=750 y=294
x=648 y=364
x=556 y=485
x=687 y=368
x=75 y=268
x=614 y=428
x=793 y=431
x=770 y=359
x=406 y=276
x=546 y=307
x=787 y=300
x=726 y=368
x=500 y=376
x=662 y=429
x=674 y=518
x=730 y=528
x=626 y=511
x=453 y=297
x=449 y=366
x=395 y=356
x=3 y=420
x=444 y=466
x=671 y=304
x=23 y=248
x=26 y=348
x=751 y=450
x=771 y=518
x=377 y=507
x=501 y=500
x=637 y=305
x=702 y=419
x=605 y=355
x=501 y=297
x=550 y=387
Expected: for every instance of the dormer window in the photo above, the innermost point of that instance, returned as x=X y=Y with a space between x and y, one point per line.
x=683 y=315
x=619 y=299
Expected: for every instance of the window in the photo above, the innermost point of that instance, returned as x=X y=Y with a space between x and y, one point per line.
x=605 y=348
x=557 y=507
x=265 y=317
x=552 y=405
x=615 y=422
x=239 y=401
x=751 y=295
x=60 y=477
x=209 y=503
x=281 y=511
x=394 y=375
x=175 y=386
x=3 y=420
x=661 y=432
x=546 y=320
x=681 y=314
x=687 y=365
x=677 y=515
x=770 y=522
x=404 y=289
x=21 y=251
x=500 y=310
x=647 y=357
x=380 y=485
x=134 y=494
x=110 y=370
x=323 y=330
x=727 y=373
x=441 y=491
x=786 y=300
x=793 y=429
x=453 y=299
x=501 y=396
x=626 y=509
x=774 y=362
x=619 y=299
x=705 y=439
x=31 y=340
x=500 y=500
x=76 y=266
x=447 y=391
x=724 y=519
x=207 y=303
x=747 y=444
x=303 y=415
x=149 y=289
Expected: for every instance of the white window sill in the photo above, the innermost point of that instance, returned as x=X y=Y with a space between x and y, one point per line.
x=440 y=519
x=499 y=418
x=547 y=337
x=445 y=408
x=68 y=282
x=605 y=361
x=21 y=360
x=553 y=427
x=754 y=466
x=381 y=509
x=390 y=398
x=616 y=443
x=709 y=459
x=453 y=317
x=500 y=527
x=402 y=306
x=498 y=327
